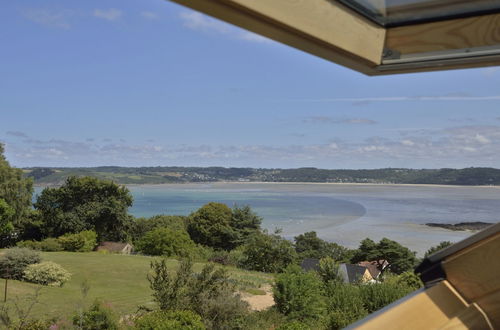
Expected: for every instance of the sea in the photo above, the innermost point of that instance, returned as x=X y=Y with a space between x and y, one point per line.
x=341 y=213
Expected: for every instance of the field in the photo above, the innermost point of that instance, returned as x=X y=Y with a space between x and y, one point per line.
x=118 y=280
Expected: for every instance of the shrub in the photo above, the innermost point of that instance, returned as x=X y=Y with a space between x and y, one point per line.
x=169 y=320
x=378 y=295
x=50 y=245
x=33 y=245
x=47 y=273
x=345 y=305
x=329 y=270
x=267 y=253
x=84 y=241
x=15 y=260
x=167 y=242
x=97 y=317
x=299 y=294
x=210 y=293
x=294 y=325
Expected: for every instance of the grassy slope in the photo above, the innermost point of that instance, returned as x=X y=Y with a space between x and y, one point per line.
x=119 y=280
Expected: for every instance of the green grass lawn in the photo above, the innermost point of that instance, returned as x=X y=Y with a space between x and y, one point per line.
x=118 y=280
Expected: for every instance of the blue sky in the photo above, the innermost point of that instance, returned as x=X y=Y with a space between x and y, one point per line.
x=147 y=83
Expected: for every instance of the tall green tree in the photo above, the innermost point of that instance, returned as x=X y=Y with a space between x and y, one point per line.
x=400 y=258
x=16 y=191
x=440 y=246
x=245 y=222
x=210 y=225
x=309 y=245
x=85 y=203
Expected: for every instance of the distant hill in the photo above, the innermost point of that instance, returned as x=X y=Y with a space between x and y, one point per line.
x=156 y=175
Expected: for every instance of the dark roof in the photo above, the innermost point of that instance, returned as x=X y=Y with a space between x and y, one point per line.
x=352 y=273
x=310 y=264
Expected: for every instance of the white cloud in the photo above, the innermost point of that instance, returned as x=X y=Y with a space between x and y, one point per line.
x=199 y=22
x=482 y=139
x=111 y=14
x=149 y=15
x=51 y=18
x=408 y=143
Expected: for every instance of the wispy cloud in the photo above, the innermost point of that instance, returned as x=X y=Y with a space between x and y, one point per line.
x=111 y=14
x=149 y=15
x=405 y=98
x=199 y=22
x=51 y=18
x=17 y=134
x=460 y=146
x=332 y=120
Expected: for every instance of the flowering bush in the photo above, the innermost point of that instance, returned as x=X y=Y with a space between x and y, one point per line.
x=47 y=273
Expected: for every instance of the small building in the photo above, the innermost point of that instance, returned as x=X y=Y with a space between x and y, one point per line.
x=375 y=267
x=310 y=264
x=355 y=273
x=116 y=247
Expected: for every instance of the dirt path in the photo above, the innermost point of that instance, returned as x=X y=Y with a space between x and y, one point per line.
x=259 y=302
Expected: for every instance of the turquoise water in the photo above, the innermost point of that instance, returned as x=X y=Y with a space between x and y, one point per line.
x=341 y=213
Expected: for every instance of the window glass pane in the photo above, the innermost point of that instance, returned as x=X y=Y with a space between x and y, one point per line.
x=400 y=12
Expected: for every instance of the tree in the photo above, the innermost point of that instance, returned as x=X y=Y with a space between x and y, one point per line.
x=210 y=225
x=437 y=248
x=298 y=294
x=6 y=214
x=245 y=223
x=210 y=293
x=15 y=191
x=309 y=245
x=267 y=253
x=85 y=203
x=140 y=226
x=400 y=258
x=167 y=242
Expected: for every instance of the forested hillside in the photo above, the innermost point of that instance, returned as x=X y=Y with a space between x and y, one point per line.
x=156 y=175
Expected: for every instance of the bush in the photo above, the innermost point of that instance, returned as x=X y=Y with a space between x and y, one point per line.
x=84 y=241
x=294 y=325
x=299 y=294
x=97 y=317
x=345 y=305
x=169 y=320
x=50 y=245
x=210 y=293
x=378 y=295
x=15 y=260
x=167 y=242
x=33 y=245
x=267 y=253
x=47 y=273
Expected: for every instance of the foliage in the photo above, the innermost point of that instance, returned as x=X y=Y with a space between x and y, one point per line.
x=97 y=317
x=14 y=261
x=28 y=244
x=169 y=320
x=309 y=245
x=15 y=196
x=267 y=253
x=210 y=225
x=400 y=258
x=84 y=241
x=293 y=325
x=140 y=226
x=329 y=270
x=298 y=294
x=50 y=245
x=47 y=273
x=245 y=223
x=167 y=242
x=210 y=293
x=6 y=214
x=345 y=305
x=378 y=295
x=406 y=279
x=440 y=246
x=85 y=204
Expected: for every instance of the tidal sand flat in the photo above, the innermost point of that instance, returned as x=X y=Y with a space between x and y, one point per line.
x=344 y=213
